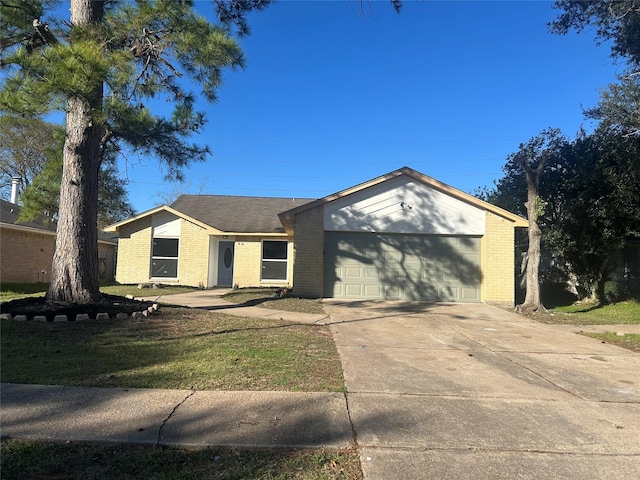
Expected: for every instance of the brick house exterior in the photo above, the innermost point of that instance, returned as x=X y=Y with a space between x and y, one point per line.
x=399 y=236
x=26 y=249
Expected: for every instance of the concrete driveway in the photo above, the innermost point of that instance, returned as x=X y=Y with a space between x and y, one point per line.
x=470 y=391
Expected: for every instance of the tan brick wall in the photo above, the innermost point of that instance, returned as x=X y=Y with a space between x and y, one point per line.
x=193 y=258
x=24 y=255
x=247 y=266
x=308 y=269
x=498 y=261
x=135 y=247
x=134 y=251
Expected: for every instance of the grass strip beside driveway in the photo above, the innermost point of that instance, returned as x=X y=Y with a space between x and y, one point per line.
x=630 y=341
x=268 y=298
x=627 y=312
x=178 y=348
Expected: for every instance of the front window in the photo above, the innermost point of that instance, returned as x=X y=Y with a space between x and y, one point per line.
x=164 y=259
x=274 y=260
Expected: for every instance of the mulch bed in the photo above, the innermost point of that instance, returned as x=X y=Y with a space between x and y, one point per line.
x=111 y=304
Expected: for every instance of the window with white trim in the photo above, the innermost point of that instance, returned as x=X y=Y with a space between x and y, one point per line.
x=164 y=258
x=274 y=259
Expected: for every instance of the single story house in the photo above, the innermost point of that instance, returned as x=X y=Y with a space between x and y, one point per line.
x=26 y=249
x=402 y=236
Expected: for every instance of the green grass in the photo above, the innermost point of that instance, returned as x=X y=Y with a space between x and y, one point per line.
x=590 y=314
x=178 y=348
x=12 y=291
x=30 y=460
x=265 y=297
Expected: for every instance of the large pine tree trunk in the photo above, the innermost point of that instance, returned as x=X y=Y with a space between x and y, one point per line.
x=74 y=273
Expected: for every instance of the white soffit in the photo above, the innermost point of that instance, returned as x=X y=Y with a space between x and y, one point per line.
x=403 y=205
x=166 y=224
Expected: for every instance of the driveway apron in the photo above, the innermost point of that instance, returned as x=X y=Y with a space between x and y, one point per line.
x=470 y=391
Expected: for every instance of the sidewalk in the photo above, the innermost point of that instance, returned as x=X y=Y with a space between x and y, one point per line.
x=177 y=418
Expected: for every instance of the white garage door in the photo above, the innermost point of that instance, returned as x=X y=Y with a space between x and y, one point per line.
x=402 y=267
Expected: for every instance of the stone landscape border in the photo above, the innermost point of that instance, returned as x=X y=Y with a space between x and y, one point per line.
x=84 y=316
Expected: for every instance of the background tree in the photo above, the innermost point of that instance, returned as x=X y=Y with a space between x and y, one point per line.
x=619 y=106
x=24 y=148
x=597 y=207
x=42 y=196
x=103 y=67
x=31 y=150
x=614 y=21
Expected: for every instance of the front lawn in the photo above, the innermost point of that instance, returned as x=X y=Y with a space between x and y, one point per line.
x=177 y=348
x=28 y=459
x=268 y=298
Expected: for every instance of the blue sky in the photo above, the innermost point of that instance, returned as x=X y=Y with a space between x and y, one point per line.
x=331 y=98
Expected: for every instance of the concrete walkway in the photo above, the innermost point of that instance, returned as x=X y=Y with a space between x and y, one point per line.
x=444 y=391
x=212 y=300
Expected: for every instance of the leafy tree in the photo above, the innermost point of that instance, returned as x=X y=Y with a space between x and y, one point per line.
x=598 y=208
x=104 y=67
x=24 y=148
x=615 y=21
x=619 y=106
x=589 y=204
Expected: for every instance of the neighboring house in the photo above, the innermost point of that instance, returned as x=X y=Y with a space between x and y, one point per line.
x=26 y=249
x=399 y=236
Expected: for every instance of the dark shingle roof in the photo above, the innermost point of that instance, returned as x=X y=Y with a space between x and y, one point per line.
x=9 y=213
x=237 y=214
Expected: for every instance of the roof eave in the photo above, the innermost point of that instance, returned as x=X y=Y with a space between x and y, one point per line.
x=41 y=231
x=211 y=230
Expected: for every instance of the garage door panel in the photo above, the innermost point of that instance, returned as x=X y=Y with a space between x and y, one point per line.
x=373 y=291
x=470 y=294
x=371 y=273
x=392 y=292
x=449 y=293
x=353 y=290
x=391 y=256
x=405 y=267
x=430 y=273
x=353 y=272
